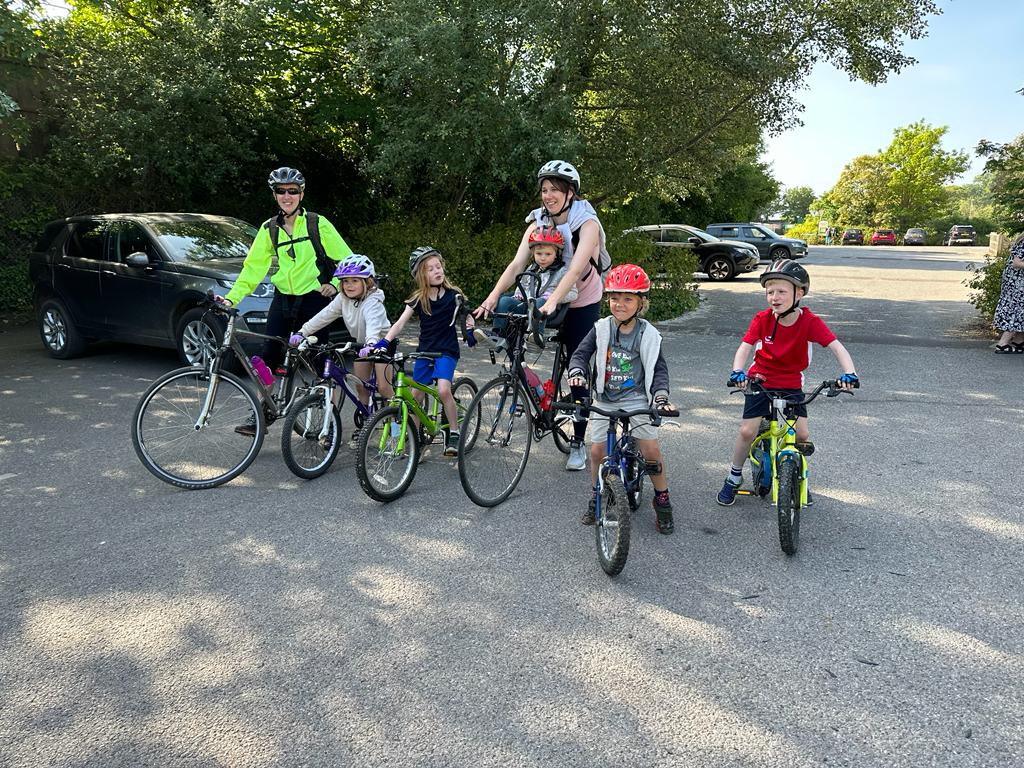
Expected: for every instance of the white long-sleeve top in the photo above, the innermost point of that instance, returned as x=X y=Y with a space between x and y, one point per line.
x=366 y=319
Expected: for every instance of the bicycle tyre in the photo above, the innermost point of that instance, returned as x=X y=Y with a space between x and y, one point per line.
x=760 y=461
x=464 y=389
x=307 y=454
x=492 y=465
x=563 y=430
x=634 y=497
x=611 y=530
x=169 y=445
x=788 y=504
x=384 y=472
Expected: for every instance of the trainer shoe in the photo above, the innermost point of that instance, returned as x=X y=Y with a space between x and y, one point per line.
x=588 y=517
x=727 y=496
x=810 y=499
x=577 y=456
x=451 y=447
x=663 y=510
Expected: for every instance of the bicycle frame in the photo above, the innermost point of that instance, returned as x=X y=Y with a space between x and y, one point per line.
x=622 y=454
x=335 y=373
x=404 y=398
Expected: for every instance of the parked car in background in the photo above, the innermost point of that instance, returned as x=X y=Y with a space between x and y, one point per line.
x=961 y=234
x=718 y=259
x=915 y=236
x=140 y=278
x=853 y=236
x=770 y=245
x=883 y=237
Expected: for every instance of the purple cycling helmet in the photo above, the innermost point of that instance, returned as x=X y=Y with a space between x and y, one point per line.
x=355 y=265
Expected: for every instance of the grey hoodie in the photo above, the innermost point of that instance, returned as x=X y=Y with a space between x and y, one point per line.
x=366 y=319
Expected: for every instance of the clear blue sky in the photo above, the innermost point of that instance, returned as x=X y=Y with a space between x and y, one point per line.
x=968 y=69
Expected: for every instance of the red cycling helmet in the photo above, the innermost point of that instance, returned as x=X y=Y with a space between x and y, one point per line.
x=627 y=278
x=547 y=236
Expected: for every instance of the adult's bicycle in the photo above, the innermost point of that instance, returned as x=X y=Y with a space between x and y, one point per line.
x=184 y=426
x=390 y=443
x=512 y=415
x=779 y=461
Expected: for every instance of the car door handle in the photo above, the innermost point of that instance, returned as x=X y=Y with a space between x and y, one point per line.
x=108 y=272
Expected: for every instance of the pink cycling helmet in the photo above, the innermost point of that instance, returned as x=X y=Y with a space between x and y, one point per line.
x=627 y=278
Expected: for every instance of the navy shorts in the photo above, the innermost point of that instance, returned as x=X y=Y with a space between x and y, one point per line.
x=758 y=404
x=425 y=370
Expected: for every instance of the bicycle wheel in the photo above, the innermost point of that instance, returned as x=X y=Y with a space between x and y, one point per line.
x=500 y=424
x=464 y=390
x=612 y=527
x=563 y=431
x=310 y=437
x=171 y=446
x=789 y=504
x=385 y=465
x=634 y=497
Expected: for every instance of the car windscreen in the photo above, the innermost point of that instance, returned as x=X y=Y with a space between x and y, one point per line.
x=703 y=235
x=204 y=239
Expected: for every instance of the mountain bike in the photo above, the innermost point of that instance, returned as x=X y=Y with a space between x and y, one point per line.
x=779 y=462
x=183 y=428
x=311 y=432
x=391 y=442
x=512 y=414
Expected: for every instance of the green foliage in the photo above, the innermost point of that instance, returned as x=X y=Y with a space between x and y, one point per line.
x=1004 y=168
x=795 y=203
x=806 y=230
x=15 y=288
x=985 y=282
x=902 y=186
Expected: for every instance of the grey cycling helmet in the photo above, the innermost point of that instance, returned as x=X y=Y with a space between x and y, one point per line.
x=286 y=175
x=559 y=169
x=420 y=255
x=787 y=269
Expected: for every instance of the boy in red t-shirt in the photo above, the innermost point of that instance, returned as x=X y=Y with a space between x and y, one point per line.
x=780 y=338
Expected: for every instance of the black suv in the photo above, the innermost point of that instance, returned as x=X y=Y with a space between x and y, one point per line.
x=718 y=259
x=961 y=234
x=770 y=244
x=140 y=278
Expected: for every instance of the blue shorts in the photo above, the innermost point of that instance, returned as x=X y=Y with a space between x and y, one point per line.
x=758 y=404
x=425 y=370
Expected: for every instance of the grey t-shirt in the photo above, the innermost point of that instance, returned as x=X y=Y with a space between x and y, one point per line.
x=623 y=370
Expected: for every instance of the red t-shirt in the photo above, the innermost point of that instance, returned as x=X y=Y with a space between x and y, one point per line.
x=782 y=360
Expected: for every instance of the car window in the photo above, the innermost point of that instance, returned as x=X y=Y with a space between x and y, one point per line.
x=727 y=232
x=86 y=242
x=128 y=238
x=205 y=239
x=755 y=233
x=676 y=236
x=49 y=235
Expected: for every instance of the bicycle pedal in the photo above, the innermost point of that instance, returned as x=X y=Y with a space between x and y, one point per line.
x=805 y=448
x=744 y=492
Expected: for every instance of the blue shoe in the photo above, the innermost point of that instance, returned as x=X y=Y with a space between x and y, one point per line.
x=810 y=499
x=727 y=496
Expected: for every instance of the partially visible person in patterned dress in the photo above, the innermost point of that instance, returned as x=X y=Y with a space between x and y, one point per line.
x=1009 y=316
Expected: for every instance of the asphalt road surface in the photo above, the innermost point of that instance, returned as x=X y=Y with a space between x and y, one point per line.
x=277 y=622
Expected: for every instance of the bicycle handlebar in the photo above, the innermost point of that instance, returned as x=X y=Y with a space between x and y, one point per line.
x=587 y=403
x=832 y=385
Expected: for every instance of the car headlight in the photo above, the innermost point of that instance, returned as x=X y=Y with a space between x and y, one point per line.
x=226 y=283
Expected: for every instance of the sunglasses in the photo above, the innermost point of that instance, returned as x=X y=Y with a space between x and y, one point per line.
x=282 y=191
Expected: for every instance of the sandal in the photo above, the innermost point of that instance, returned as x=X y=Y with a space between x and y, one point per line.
x=1005 y=349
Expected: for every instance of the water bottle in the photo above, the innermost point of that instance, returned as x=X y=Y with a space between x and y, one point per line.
x=534 y=381
x=262 y=370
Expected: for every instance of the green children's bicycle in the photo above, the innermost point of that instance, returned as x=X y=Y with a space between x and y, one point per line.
x=780 y=462
x=390 y=443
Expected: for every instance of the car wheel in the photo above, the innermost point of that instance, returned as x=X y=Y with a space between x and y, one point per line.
x=720 y=268
x=197 y=336
x=778 y=253
x=58 y=332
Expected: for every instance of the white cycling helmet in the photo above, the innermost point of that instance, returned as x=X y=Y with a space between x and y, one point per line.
x=559 y=169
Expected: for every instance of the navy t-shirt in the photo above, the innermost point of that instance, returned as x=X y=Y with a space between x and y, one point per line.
x=437 y=331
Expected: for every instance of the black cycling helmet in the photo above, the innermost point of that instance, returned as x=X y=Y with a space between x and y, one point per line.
x=420 y=255
x=286 y=175
x=787 y=269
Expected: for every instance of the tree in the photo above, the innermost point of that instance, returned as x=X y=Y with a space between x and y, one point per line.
x=1005 y=169
x=902 y=186
x=795 y=203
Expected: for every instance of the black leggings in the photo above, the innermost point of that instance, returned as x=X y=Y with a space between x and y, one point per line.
x=577 y=324
x=286 y=315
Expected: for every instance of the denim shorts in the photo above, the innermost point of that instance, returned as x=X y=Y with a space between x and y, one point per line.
x=758 y=404
x=425 y=370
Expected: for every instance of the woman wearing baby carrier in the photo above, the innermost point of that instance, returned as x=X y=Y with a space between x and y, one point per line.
x=585 y=254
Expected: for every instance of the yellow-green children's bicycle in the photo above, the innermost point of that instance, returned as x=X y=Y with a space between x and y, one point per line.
x=779 y=461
